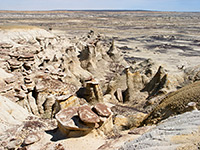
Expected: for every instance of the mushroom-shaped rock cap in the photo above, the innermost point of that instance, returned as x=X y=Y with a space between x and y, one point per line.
x=192 y=105
x=102 y=110
x=93 y=82
x=64 y=117
x=69 y=119
x=63 y=97
x=87 y=115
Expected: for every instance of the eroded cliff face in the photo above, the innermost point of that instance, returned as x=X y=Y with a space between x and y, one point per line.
x=175 y=103
x=53 y=76
x=46 y=67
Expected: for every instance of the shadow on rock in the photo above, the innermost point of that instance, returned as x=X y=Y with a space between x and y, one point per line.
x=56 y=135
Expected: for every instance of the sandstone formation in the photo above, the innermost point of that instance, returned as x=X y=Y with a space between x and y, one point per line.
x=143 y=86
x=102 y=110
x=178 y=132
x=93 y=92
x=20 y=128
x=175 y=103
x=87 y=115
x=70 y=87
x=48 y=67
x=127 y=117
x=82 y=119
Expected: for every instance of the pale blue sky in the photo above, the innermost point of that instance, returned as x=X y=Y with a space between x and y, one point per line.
x=163 y=5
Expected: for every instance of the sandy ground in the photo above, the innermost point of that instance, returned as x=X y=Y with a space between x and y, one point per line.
x=91 y=141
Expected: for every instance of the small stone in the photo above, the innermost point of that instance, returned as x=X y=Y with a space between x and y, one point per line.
x=17 y=89
x=32 y=138
x=102 y=110
x=30 y=86
x=9 y=80
x=14 y=55
x=27 y=66
x=59 y=147
x=14 y=64
x=191 y=106
x=87 y=115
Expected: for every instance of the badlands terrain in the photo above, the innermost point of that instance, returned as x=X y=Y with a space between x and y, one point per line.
x=99 y=80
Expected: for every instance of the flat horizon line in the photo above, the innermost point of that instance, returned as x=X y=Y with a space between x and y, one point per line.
x=99 y=10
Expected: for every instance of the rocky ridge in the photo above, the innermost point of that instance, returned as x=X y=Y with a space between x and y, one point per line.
x=178 y=132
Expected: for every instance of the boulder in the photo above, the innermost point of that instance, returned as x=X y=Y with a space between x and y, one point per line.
x=70 y=124
x=87 y=115
x=64 y=117
x=119 y=95
x=113 y=52
x=48 y=106
x=31 y=138
x=134 y=87
x=116 y=87
x=102 y=110
x=109 y=99
x=107 y=127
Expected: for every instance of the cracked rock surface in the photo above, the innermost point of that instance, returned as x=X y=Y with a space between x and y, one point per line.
x=174 y=133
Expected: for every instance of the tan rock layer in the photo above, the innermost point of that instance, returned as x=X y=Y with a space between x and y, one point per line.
x=175 y=103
